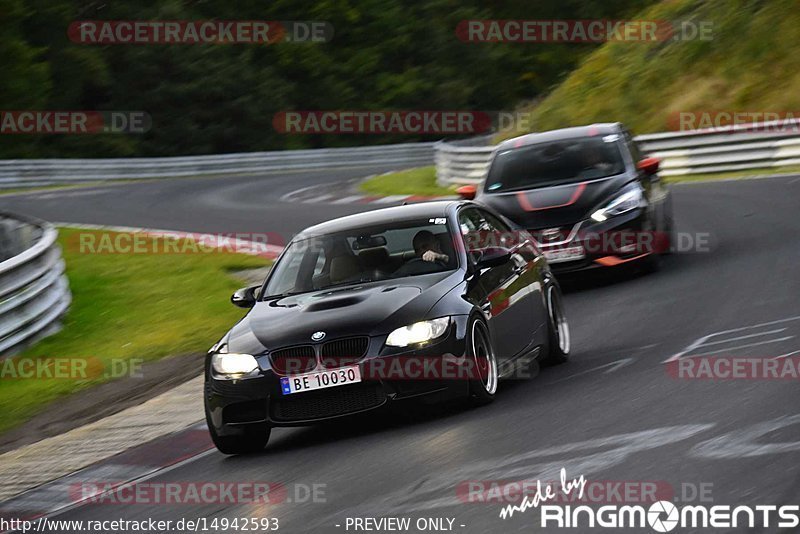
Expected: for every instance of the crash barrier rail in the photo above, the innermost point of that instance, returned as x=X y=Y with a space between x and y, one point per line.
x=34 y=293
x=735 y=148
x=44 y=172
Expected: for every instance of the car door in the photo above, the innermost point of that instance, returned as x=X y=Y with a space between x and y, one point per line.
x=499 y=289
x=529 y=264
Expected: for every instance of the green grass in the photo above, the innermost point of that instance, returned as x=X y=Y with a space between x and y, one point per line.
x=15 y=190
x=67 y=186
x=128 y=306
x=729 y=175
x=750 y=64
x=419 y=181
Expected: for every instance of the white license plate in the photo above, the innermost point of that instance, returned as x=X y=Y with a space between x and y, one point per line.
x=565 y=254
x=320 y=380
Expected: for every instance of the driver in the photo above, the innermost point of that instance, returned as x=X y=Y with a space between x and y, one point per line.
x=427 y=247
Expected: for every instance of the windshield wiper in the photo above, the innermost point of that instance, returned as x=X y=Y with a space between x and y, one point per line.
x=283 y=295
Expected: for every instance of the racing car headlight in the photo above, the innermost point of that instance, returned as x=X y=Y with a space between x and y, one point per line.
x=627 y=201
x=418 y=332
x=231 y=363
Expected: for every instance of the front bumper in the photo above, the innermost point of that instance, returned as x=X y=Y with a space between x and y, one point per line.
x=617 y=241
x=388 y=375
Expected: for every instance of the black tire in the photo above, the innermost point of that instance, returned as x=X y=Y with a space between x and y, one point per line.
x=484 y=375
x=253 y=439
x=557 y=328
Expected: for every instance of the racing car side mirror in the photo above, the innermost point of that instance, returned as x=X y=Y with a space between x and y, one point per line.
x=245 y=297
x=649 y=165
x=467 y=192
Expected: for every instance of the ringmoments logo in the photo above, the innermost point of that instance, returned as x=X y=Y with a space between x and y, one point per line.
x=660 y=516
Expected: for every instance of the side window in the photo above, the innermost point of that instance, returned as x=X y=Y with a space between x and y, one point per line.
x=471 y=223
x=320 y=263
x=481 y=230
x=519 y=240
x=503 y=235
x=495 y=224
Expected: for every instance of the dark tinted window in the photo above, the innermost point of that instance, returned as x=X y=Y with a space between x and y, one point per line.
x=482 y=230
x=367 y=254
x=555 y=162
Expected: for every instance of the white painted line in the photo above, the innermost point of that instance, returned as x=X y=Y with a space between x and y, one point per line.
x=703 y=339
x=317 y=200
x=738 y=338
x=347 y=200
x=288 y=196
x=787 y=354
x=770 y=323
x=730 y=349
x=688 y=349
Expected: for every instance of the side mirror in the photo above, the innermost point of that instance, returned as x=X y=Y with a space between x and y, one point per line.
x=245 y=297
x=467 y=192
x=649 y=165
x=493 y=257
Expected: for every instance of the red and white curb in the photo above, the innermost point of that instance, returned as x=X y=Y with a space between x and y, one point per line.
x=221 y=241
x=128 y=467
x=320 y=194
x=357 y=199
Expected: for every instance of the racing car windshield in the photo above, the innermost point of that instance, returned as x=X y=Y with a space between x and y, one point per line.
x=554 y=163
x=395 y=250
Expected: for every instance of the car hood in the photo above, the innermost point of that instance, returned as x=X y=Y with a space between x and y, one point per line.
x=374 y=308
x=549 y=207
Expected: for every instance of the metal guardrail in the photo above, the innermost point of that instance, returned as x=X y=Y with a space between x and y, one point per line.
x=34 y=173
x=34 y=292
x=735 y=148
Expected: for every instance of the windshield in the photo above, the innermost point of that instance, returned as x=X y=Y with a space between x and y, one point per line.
x=554 y=163
x=393 y=250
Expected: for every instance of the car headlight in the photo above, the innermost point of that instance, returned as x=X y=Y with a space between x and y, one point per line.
x=627 y=201
x=233 y=364
x=418 y=332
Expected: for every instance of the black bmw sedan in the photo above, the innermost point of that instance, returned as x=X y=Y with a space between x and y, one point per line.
x=430 y=301
x=586 y=194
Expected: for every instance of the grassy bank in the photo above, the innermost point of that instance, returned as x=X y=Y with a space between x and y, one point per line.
x=128 y=307
x=747 y=65
x=419 y=181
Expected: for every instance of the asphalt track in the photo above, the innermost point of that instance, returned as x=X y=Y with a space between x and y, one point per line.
x=613 y=413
